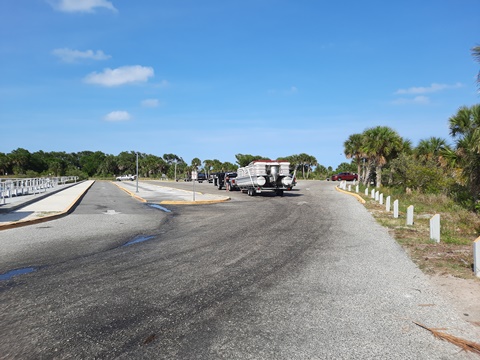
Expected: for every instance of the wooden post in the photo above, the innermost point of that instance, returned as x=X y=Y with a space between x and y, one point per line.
x=395 y=209
x=410 y=215
x=435 y=228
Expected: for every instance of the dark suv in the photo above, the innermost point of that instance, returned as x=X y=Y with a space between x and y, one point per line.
x=347 y=176
x=221 y=177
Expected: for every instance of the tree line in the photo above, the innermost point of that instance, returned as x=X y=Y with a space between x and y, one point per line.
x=383 y=157
x=433 y=166
x=86 y=164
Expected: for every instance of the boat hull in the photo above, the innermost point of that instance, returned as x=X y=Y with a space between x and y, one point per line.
x=265 y=175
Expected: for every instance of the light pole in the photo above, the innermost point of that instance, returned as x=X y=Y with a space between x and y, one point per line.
x=136 y=177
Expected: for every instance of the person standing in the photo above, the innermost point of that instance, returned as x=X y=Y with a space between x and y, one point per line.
x=227 y=182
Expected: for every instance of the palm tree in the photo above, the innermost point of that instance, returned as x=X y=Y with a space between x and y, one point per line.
x=196 y=162
x=431 y=148
x=4 y=163
x=352 y=147
x=20 y=159
x=175 y=160
x=208 y=164
x=152 y=165
x=379 y=144
x=228 y=166
x=245 y=159
x=108 y=167
x=216 y=165
x=302 y=161
x=476 y=56
x=126 y=162
x=465 y=128
x=465 y=121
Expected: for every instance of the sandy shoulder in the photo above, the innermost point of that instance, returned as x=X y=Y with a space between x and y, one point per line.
x=463 y=293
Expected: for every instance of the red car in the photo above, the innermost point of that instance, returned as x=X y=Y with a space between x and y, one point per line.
x=347 y=176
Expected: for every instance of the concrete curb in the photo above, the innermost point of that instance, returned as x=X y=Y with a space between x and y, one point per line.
x=46 y=218
x=130 y=193
x=359 y=198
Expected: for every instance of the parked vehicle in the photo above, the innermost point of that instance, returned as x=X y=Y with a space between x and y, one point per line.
x=347 y=176
x=221 y=179
x=201 y=177
x=126 y=177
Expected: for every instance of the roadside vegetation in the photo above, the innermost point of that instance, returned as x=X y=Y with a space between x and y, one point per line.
x=459 y=228
x=436 y=178
x=96 y=164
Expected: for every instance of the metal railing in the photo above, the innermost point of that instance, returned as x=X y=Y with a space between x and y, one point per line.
x=10 y=187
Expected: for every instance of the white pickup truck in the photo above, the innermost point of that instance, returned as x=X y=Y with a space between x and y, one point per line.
x=126 y=177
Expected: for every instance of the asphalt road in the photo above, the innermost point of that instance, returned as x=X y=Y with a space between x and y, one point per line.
x=306 y=276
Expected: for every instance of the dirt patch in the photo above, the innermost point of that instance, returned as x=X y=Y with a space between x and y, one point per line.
x=464 y=294
x=448 y=264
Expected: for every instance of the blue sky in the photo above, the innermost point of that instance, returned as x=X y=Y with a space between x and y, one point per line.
x=212 y=78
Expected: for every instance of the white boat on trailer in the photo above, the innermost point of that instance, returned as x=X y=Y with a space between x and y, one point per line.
x=265 y=175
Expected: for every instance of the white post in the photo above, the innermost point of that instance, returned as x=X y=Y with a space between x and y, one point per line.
x=366 y=192
x=356 y=189
x=387 y=205
x=349 y=187
x=381 y=199
x=377 y=195
x=435 y=228
x=395 y=209
x=476 y=257
x=373 y=194
x=410 y=215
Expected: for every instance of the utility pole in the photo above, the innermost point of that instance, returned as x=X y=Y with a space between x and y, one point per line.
x=136 y=177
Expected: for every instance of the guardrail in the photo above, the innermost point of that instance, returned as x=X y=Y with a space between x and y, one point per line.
x=10 y=187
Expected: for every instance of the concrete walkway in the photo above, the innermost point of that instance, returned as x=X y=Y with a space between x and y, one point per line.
x=34 y=209
x=160 y=194
x=28 y=209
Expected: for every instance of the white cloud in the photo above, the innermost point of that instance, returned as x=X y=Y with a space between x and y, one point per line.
x=117 y=116
x=429 y=89
x=120 y=76
x=81 y=5
x=421 y=99
x=70 y=56
x=150 y=103
x=163 y=84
